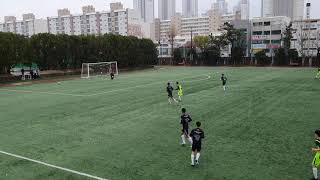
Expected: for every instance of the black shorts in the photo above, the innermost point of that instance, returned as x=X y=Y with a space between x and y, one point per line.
x=224 y=83
x=196 y=147
x=185 y=131
x=170 y=95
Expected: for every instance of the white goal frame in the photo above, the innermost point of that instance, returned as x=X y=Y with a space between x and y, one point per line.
x=85 y=70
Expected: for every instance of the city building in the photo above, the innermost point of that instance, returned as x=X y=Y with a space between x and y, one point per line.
x=222 y=6
x=88 y=9
x=116 y=21
x=63 y=12
x=214 y=19
x=290 y=8
x=166 y=9
x=183 y=27
x=228 y=18
x=267 y=32
x=10 y=18
x=190 y=8
x=242 y=10
x=306 y=37
x=28 y=16
x=145 y=9
x=28 y=26
x=116 y=6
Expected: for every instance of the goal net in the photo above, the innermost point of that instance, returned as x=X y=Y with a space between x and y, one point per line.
x=99 y=69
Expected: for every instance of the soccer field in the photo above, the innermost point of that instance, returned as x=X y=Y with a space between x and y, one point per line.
x=262 y=127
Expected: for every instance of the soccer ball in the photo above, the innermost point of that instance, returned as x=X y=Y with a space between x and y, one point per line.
x=209 y=77
x=59 y=83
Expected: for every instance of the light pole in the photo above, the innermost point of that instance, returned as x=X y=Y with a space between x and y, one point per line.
x=191 y=48
x=160 y=52
x=270 y=43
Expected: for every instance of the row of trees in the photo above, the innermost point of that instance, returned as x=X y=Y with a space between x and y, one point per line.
x=69 y=52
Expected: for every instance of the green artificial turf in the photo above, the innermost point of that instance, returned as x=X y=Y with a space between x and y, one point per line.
x=261 y=128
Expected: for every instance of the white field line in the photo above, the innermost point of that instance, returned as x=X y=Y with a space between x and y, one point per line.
x=101 y=93
x=53 y=166
x=43 y=92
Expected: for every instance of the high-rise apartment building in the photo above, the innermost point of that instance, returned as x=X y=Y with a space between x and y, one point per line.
x=88 y=9
x=222 y=5
x=63 y=12
x=190 y=8
x=266 y=8
x=145 y=9
x=166 y=9
x=290 y=8
x=28 y=26
x=116 y=21
x=116 y=6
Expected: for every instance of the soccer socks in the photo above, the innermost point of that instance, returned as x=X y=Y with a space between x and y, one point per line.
x=315 y=172
x=180 y=98
x=197 y=156
x=175 y=100
x=190 y=140
x=192 y=159
x=224 y=88
x=183 y=139
x=169 y=101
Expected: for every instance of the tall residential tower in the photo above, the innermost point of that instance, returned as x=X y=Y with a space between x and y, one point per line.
x=145 y=9
x=290 y=8
x=166 y=9
x=190 y=8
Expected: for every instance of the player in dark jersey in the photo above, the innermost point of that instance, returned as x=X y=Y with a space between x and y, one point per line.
x=316 y=160
x=112 y=76
x=224 y=81
x=197 y=135
x=170 y=93
x=185 y=119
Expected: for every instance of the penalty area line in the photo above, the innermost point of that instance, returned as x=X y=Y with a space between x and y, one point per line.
x=53 y=166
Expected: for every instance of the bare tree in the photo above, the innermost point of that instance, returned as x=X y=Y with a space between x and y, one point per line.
x=172 y=33
x=301 y=37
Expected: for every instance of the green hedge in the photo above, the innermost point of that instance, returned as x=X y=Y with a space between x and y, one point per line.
x=60 y=52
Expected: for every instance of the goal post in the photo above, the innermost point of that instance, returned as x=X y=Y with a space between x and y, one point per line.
x=99 y=69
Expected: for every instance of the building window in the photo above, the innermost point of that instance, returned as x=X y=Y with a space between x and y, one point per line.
x=257 y=32
x=267 y=23
x=276 y=32
x=266 y=32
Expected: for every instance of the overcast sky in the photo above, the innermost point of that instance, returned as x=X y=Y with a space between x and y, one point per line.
x=44 y=8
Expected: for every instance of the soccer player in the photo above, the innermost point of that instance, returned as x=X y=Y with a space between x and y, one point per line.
x=318 y=74
x=22 y=75
x=197 y=135
x=170 y=96
x=224 y=81
x=180 y=91
x=111 y=76
x=185 y=119
x=316 y=160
